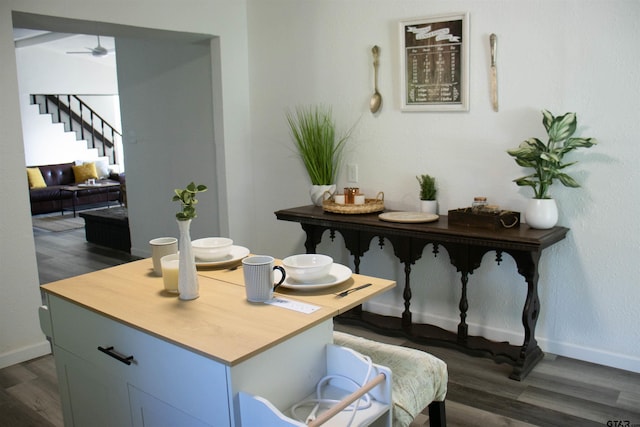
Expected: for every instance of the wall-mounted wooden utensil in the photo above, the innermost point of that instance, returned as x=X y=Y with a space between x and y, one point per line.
x=376 y=99
x=493 y=43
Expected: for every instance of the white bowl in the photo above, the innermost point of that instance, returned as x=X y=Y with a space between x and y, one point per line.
x=307 y=267
x=211 y=248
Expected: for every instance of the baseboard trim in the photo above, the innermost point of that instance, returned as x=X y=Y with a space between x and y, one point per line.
x=592 y=355
x=25 y=353
x=565 y=349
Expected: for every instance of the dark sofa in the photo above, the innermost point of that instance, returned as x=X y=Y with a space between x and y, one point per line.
x=51 y=199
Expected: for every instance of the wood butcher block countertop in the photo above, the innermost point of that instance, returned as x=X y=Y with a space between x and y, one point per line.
x=221 y=324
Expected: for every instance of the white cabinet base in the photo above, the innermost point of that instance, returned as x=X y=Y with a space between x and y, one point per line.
x=165 y=384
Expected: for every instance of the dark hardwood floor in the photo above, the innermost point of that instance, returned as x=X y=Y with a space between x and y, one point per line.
x=66 y=254
x=559 y=391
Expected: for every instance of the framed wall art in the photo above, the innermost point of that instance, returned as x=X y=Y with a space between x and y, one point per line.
x=434 y=61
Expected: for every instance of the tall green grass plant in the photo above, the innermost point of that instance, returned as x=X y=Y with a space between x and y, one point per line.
x=313 y=132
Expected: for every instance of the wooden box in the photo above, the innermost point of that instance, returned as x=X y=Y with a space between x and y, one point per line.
x=490 y=220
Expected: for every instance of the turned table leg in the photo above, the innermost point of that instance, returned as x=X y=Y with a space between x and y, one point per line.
x=530 y=353
x=463 y=328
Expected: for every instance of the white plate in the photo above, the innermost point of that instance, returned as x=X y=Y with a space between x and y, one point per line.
x=409 y=217
x=236 y=254
x=338 y=274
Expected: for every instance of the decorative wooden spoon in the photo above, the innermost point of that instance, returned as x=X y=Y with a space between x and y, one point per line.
x=376 y=98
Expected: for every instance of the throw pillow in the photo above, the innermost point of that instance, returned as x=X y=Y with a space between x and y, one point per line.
x=36 y=180
x=102 y=168
x=84 y=172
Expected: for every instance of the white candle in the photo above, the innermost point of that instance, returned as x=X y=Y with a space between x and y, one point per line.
x=339 y=199
x=170 y=272
x=358 y=199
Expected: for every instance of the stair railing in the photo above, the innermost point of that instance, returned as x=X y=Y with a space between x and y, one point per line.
x=80 y=118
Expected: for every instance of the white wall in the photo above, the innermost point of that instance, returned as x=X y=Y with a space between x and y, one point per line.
x=64 y=73
x=564 y=56
x=167 y=108
x=223 y=18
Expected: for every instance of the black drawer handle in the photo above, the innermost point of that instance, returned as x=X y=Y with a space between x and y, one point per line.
x=109 y=351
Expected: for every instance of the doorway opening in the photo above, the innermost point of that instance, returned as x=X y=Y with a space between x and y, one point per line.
x=165 y=89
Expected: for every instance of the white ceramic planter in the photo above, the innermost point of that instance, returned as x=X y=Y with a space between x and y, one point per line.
x=541 y=213
x=317 y=193
x=429 y=206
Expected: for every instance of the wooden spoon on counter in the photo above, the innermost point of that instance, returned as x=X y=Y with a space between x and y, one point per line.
x=376 y=99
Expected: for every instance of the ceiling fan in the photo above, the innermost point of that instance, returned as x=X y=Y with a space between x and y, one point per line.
x=95 y=51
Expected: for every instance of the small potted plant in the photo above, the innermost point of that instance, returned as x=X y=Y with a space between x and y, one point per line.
x=314 y=136
x=187 y=274
x=428 y=191
x=547 y=162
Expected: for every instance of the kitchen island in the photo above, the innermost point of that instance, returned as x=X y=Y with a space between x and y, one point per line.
x=128 y=353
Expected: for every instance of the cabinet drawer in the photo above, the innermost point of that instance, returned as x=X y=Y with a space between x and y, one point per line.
x=195 y=384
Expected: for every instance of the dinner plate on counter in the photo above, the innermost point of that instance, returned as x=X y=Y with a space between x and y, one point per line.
x=408 y=217
x=236 y=254
x=338 y=274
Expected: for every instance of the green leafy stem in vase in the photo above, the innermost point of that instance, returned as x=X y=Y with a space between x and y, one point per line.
x=547 y=159
x=187 y=197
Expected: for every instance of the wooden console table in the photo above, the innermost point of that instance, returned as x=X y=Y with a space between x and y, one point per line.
x=465 y=246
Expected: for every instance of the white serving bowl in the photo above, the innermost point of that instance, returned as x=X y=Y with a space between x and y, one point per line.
x=211 y=248
x=307 y=267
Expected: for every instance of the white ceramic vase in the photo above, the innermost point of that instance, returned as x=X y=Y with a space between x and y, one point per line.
x=429 y=206
x=188 y=286
x=317 y=193
x=541 y=213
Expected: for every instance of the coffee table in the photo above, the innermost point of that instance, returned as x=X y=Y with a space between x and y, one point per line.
x=75 y=189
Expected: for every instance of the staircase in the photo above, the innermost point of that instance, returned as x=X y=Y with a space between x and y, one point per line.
x=78 y=117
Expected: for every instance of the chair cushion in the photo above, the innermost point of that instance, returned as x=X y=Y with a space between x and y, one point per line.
x=419 y=378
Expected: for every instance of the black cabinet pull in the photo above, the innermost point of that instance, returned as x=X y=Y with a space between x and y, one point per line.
x=109 y=351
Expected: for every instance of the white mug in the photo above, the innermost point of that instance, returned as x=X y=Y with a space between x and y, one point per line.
x=160 y=247
x=259 y=280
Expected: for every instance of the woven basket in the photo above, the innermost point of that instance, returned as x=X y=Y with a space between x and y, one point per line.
x=369 y=206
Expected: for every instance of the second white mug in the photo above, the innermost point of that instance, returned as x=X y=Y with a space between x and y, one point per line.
x=259 y=277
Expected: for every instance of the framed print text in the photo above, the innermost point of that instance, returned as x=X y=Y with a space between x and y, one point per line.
x=434 y=63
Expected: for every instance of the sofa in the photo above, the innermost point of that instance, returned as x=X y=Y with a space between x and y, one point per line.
x=45 y=183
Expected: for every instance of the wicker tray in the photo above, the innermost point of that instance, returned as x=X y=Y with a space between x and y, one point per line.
x=369 y=206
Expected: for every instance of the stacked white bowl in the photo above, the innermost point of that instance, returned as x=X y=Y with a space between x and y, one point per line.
x=211 y=248
x=307 y=267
